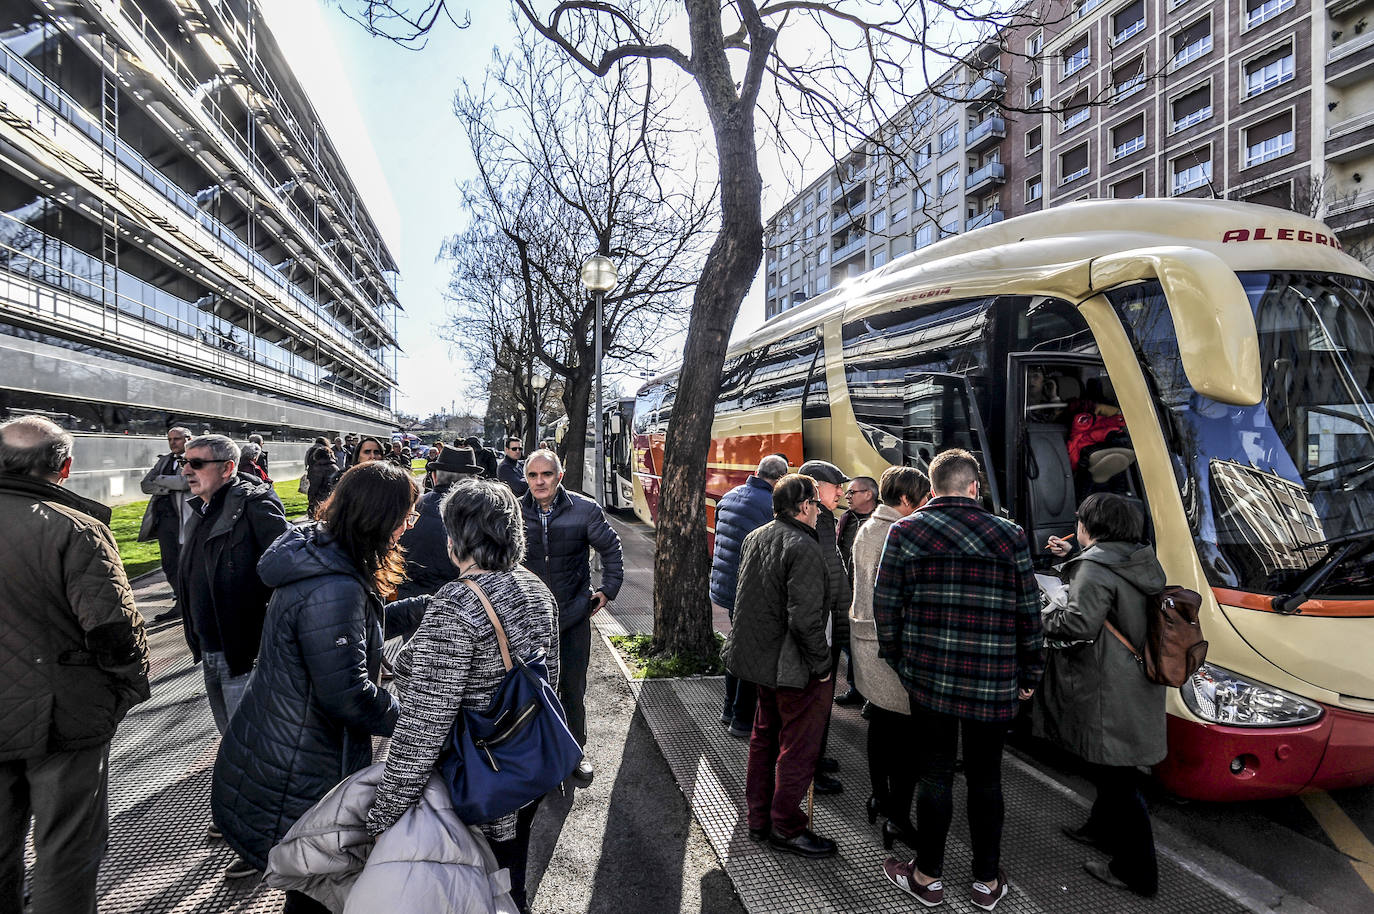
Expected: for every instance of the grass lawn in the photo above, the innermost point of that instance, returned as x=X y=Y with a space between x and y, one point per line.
x=141 y=558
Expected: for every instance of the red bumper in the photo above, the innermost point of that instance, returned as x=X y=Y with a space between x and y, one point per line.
x=1337 y=751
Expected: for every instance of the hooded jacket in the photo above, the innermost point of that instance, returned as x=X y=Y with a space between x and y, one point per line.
x=428 y=855
x=248 y=522
x=778 y=639
x=73 y=656
x=1095 y=700
x=740 y=512
x=558 y=552
x=313 y=704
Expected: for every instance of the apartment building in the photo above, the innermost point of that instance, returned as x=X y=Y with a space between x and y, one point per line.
x=1268 y=101
x=180 y=242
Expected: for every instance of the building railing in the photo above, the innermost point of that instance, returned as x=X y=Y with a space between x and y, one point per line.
x=991 y=82
x=848 y=250
x=1350 y=125
x=35 y=268
x=60 y=106
x=1350 y=202
x=984 y=129
x=986 y=217
x=993 y=171
x=1346 y=48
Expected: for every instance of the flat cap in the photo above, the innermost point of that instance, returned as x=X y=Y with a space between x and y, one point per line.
x=821 y=471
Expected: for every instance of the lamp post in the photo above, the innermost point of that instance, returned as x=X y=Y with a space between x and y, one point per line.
x=538 y=382
x=599 y=277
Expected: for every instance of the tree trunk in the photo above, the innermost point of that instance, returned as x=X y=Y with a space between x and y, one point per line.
x=576 y=397
x=682 y=565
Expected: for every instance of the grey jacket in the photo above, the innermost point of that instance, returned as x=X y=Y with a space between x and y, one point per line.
x=427 y=855
x=169 y=490
x=1095 y=700
x=779 y=635
x=874 y=677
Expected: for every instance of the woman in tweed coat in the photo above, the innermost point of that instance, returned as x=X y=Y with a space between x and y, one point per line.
x=454 y=661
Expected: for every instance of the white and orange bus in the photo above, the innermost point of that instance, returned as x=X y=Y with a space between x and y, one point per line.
x=1237 y=344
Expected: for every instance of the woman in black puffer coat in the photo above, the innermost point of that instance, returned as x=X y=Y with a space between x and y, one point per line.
x=313 y=704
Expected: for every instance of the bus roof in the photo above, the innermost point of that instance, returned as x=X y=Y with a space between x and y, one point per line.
x=1246 y=236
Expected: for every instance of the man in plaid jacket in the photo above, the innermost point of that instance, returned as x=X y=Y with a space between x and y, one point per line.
x=957 y=610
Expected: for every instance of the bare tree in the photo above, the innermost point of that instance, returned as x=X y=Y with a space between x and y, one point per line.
x=836 y=70
x=569 y=166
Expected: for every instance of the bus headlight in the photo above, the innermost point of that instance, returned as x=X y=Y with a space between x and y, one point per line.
x=1222 y=697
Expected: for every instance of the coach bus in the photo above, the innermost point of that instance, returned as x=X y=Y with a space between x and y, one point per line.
x=1223 y=352
x=617 y=437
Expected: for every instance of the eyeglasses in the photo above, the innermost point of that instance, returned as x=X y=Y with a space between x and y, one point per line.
x=515 y=447
x=198 y=463
x=412 y=519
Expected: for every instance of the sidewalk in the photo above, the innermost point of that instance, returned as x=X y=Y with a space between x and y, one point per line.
x=628 y=843
x=1043 y=867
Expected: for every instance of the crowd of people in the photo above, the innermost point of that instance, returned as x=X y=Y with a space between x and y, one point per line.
x=933 y=599
x=288 y=624
x=936 y=602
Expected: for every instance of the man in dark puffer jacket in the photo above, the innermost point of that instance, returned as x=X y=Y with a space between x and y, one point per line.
x=73 y=659
x=559 y=528
x=779 y=643
x=428 y=564
x=740 y=512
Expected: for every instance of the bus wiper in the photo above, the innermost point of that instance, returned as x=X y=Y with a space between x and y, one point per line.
x=1287 y=604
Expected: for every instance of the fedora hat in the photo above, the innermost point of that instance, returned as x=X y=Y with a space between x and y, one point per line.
x=455 y=460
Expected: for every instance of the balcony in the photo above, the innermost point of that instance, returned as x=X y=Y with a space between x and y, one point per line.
x=857 y=246
x=991 y=85
x=853 y=179
x=845 y=216
x=1348 y=62
x=1350 y=211
x=986 y=134
x=1351 y=138
x=986 y=217
x=990 y=175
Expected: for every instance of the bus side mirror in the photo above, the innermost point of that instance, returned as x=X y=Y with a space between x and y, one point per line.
x=1213 y=321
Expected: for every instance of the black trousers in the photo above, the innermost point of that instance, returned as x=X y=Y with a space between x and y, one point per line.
x=66 y=795
x=937 y=749
x=1121 y=821
x=169 y=553
x=574 y=654
x=892 y=744
x=514 y=854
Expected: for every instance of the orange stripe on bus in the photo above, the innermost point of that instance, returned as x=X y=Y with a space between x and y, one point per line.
x=1244 y=599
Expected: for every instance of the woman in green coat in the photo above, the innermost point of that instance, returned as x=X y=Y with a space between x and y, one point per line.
x=1095 y=700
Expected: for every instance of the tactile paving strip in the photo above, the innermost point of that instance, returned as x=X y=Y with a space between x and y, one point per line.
x=1043 y=867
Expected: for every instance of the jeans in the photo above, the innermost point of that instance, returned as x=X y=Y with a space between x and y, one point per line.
x=66 y=793
x=783 y=749
x=574 y=653
x=1121 y=821
x=892 y=744
x=936 y=747
x=224 y=689
x=514 y=855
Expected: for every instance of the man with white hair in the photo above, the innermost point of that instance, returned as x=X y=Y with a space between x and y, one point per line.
x=73 y=660
x=560 y=527
x=165 y=517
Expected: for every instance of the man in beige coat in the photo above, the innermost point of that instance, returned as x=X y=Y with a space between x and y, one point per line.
x=902 y=490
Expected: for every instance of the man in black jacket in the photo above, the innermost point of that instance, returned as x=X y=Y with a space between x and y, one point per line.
x=559 y=528
x=165 y=517
x=224 y=601
x=511 y=469
x=428 y=563
x=73 y=659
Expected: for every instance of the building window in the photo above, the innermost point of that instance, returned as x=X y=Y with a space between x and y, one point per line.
x=1035 y=93
x=1269 y=139
x=1192 y=171
x=1032 y=140
x=1269 y=70
x=1076 y=56
x=1128 y=20
x=1034 y=189
x=1257 y=11
x=920 y=195
x=1083 y=7
x=943 y=100
x=1128 y=137
x=925 y=235
x=1034 y=43
x=1076 y=111
x=784 y=279
x=1073 y=164
x=898 y=214
x=949 y=180
x=823 y=255
x=880 y=220
x=923 y=156
x=1128 y=79
x=949 y=224
x=879 y=258
x=949 y=138
x=1129 y=189
x=1192 y=43
x=1193 y=107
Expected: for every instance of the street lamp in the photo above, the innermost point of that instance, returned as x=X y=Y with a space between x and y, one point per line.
x=599 y=276
x=538 y=382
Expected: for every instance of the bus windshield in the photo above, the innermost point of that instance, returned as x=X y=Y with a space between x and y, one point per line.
x=1268 y=488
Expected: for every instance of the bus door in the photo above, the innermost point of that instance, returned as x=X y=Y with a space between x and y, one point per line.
x=939 y=412
x=1066 y=439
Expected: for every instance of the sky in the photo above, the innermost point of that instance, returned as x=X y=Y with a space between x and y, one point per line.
x=389 y=112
